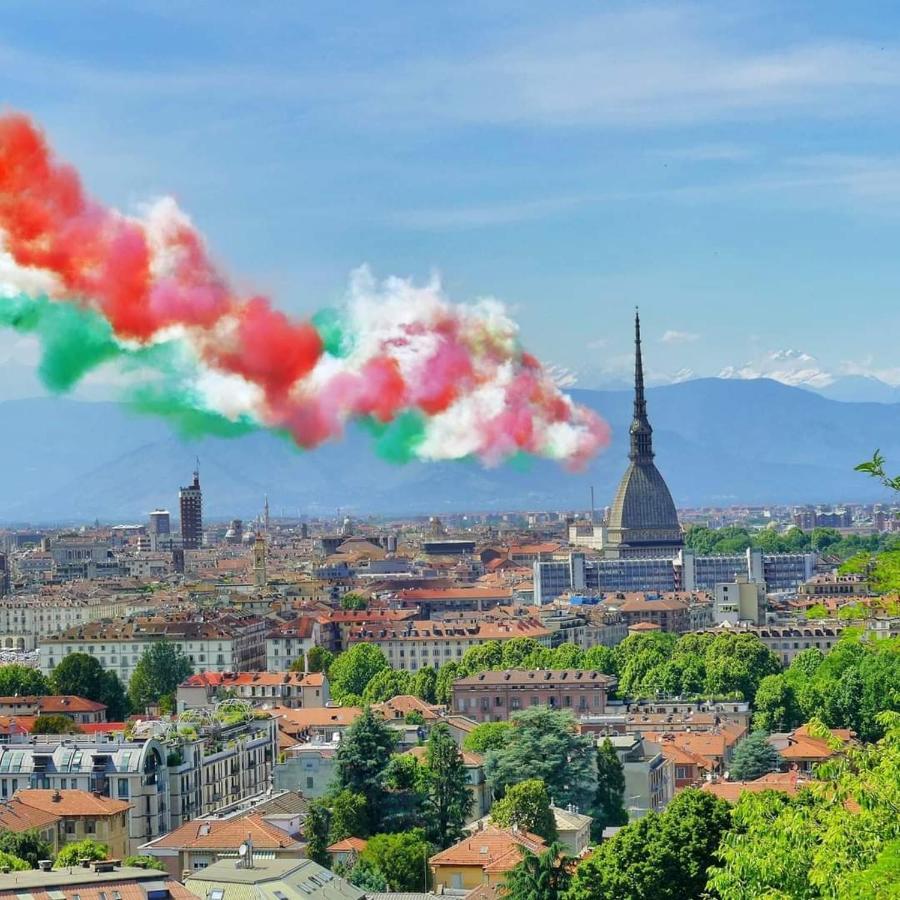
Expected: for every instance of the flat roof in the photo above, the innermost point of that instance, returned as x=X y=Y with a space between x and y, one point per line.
x=35 y=878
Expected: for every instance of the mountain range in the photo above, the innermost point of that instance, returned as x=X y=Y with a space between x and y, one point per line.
x=718 y=442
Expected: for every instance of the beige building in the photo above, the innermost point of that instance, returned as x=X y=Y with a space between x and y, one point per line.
x=293 y=690
x=741 y=601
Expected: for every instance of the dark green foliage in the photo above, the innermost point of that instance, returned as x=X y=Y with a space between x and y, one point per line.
x=609 y=801
x=544 y=877
x=659 y=857
x=82 y=675
x=424 y=684
x=753 y=757
x=316 y=830
x=349 y=816
x=27 y=845
x=445 y=788
x=71 y=854
x=55 y=724
x=526 y=806
x=362 y=760
x=367 y=877
x=161 y=668
x=543 y=744
x=386 y=684
x=776 y=705
x=443 y=688
x=353 y=600
x=318 y=659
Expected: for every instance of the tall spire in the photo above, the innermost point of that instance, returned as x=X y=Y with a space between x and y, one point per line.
x=641 y=432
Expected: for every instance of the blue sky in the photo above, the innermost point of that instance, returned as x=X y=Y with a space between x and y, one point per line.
x=734 y=169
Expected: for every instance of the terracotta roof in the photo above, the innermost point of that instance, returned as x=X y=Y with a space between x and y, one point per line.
x=460 y=593
x=493 y=850
x=226 y=834
x=71 y=803
x=316 y=717
x=65 y=703
x=403 y=704
x=348 y=845
x=786 y=782
x=18 y=816
x=236 y=679
x=125 y=890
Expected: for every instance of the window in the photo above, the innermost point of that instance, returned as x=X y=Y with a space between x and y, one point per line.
x=309 y=782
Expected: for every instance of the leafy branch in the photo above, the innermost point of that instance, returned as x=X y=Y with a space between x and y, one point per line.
x=874 y=467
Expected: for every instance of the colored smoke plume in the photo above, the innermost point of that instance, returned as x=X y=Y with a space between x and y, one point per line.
x=429 y=379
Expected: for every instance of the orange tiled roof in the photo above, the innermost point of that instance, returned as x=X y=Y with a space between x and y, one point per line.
x=348 y=845
x=228 y=834
x=18 y=816
x=236 y=679
x=317 y=717
x=493 y=849
x=125 y=890
x=786 y=782
x=71 y=803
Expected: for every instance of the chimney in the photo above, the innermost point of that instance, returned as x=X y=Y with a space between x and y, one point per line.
x=56 y=796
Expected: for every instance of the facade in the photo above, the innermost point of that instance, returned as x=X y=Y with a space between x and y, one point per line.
x=190 y=502
x=291 y=641
x=494 y=696
x=202 y=842
x=685 y=571
x=222 y=644
x=740 y=601
x=649 y=776
x=134 y=772
x=219 y=766
x=78 y=815
x=415 y=644
x=294 y=690
x=159 y=529
x=642 y=520
x=786 y=641
x=80 y=558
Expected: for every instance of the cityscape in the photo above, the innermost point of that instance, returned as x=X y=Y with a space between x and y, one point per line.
x=368 y=601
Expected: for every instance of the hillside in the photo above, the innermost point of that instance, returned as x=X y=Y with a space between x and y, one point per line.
x=717 y=442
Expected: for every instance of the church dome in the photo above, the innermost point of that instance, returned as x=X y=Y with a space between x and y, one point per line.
x=643 y=501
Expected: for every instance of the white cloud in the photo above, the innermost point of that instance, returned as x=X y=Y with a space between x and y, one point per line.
x=679 y=337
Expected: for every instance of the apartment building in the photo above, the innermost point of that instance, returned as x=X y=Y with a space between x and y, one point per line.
x=26 y=618
x=495 y=696
x=218 y=765
x=415 y=644
x=135 y=772
x=671 y=612
x=786 y=641
x=294 y=690
x=218 y=644
x=290 y=642
x=78 y=709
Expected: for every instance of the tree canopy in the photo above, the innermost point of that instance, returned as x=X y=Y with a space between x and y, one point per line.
x=445 y=788
x=161 y=668
x=401 y=858
x=609 y=801
x=543 y=743
x=351 y=671
x=27 y=845
x=526 y=806
x=487 y=736
x=21 y=680
x=544 y=877
x=55 y=724
x=754 y=757
x=71 y=854
x=81 y=675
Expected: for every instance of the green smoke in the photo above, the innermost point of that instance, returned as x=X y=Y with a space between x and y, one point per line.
x=188 y=419
x=397 y=441
x=332 y=330
x=74 y=340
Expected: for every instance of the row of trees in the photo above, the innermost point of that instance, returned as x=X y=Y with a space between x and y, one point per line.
x=736 y=539
x=839 y=838
x=22 y=850
x=160 y=670
x=727 y=664
x=848 y=688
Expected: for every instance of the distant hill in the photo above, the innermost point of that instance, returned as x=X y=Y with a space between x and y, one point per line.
x=717 y=442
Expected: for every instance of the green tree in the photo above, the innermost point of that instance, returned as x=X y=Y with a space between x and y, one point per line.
x=754 y=757
x=567 y=656
x=362 y=760
x=367 y=877
x=544 y=877
x=22 y=681
x=13 y=863
x=813 y=844
x=637 y=656
x=352 y=670
x=318 y=659
x=73 y=853
x=316 y=829
x=144 y=862
x=600 y=659
x=481 y=658
x=445 y=788
x=401 y=808
x=514 y=652
x=386 y=684
x=487 y=736
x=662 y=856
x=81 y=675
x=161 y=668
x=55 y=724
x=737 y=662
x=526 y=805
x=776 y=705
x=353 y=600
x=349 y=817
x=27 y=845
x=609 y=801
x=443 y=689
x=424 y=684
x=401 y=858
x=543 y=743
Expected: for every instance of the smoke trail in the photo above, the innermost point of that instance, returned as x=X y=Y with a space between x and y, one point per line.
x=429 y=379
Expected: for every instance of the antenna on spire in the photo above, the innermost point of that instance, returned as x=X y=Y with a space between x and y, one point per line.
x=641 y=432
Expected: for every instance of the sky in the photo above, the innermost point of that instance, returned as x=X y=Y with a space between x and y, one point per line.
x=732 y=169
